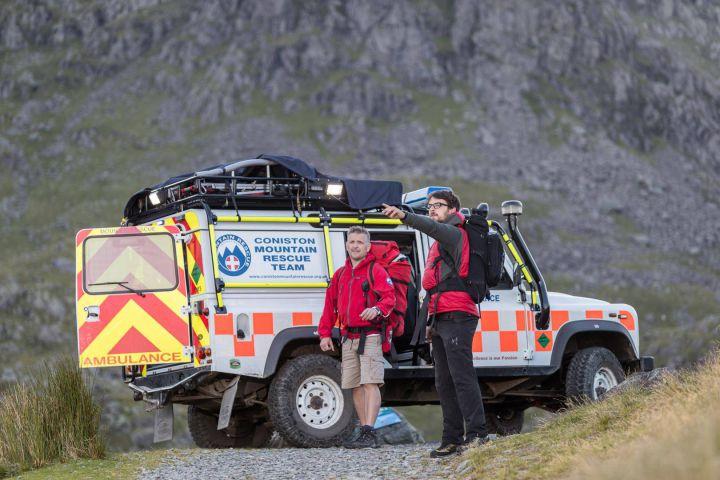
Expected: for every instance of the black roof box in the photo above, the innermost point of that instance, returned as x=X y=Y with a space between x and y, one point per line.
x=265 y=182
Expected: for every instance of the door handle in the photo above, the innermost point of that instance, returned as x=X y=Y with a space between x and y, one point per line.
x=93 y=313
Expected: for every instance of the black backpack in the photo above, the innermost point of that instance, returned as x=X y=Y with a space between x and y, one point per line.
x=486 y=257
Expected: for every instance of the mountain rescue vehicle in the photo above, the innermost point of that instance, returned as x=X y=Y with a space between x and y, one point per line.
x=210 y=292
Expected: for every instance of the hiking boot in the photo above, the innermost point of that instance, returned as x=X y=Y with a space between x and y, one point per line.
x=367 y=439
x=445 y=450
x=352 y=438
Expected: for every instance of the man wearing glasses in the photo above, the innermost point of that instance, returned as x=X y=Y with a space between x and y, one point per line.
x=452 y=321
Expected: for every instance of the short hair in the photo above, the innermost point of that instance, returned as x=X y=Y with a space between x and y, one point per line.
x=360 y=230
x=452 y=200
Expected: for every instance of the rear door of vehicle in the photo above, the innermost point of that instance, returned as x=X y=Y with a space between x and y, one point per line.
x=131 y=297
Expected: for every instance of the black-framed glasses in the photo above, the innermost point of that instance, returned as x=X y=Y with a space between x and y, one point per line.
x=435 y=206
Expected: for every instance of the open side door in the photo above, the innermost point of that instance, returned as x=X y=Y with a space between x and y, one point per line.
x=131 y=297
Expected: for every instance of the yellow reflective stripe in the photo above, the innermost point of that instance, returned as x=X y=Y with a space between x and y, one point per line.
x=277 y=285
x=216 y=269
x=336 y=221
x=328 y=252
x=366 y=221
x=242 y=219
x=534 y=297
x=518 y=258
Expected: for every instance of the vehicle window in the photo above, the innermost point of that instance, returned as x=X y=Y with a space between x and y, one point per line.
x=129 y=263
x=405 y=242
x=505 y=282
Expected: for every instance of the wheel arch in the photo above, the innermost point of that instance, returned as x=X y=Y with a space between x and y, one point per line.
x=574 y=336
x=289 y=341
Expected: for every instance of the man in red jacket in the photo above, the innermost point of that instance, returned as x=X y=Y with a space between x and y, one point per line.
x=360 y=306
x=452 y=320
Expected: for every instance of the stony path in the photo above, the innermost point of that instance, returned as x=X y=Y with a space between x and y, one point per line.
x=396 y=461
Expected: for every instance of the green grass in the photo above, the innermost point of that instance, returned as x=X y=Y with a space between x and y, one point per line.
x=634 y=434
x=123 y=466
x=48 y=418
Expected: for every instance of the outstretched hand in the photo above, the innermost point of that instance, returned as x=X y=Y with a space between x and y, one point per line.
x=393 y=212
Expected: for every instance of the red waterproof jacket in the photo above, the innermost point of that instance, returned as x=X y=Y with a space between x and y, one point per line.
x=454 y=239
x=345 y=299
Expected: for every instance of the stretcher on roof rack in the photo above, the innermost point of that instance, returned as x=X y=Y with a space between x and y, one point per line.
x=267 y=182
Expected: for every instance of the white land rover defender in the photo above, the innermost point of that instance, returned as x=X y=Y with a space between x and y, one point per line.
x=210 y=293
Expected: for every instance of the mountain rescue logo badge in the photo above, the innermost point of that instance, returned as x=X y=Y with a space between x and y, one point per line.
x=233 y=255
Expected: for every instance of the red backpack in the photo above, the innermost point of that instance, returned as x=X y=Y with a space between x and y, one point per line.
x=387 y=255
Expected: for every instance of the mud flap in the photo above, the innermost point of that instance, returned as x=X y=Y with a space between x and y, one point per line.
x=163 y=423
x=226 y=406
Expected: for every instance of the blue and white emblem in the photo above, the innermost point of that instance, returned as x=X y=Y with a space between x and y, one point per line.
x=233 y=255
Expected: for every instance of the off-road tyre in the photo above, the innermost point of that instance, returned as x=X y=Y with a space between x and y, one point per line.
x=241 y=434
x=284 y=409
x=586 y=364
x=504 y=421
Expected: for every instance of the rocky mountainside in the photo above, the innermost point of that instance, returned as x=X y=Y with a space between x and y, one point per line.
x=601 y=116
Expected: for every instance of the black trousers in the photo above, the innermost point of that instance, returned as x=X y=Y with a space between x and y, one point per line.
x=455 y=379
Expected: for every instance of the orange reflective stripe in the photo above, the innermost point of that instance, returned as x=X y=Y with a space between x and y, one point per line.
x=477 y=345
x=558 y=318
x=301 y=318
x=224 y=324
x=489 y=321
x=520 y=320
x=628 y=321
x=263 y=323
x=508 y=341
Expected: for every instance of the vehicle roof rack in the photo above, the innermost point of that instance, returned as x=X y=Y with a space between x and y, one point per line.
x=268 y=182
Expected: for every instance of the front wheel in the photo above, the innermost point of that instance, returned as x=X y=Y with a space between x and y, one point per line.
x=504 y=421
x=306 y=404
x=592 y=372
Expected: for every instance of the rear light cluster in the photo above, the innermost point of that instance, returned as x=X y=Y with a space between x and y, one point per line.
x=204 y=352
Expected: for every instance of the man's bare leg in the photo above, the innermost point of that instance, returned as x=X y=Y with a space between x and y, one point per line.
x=372 y=403
x=360 y=403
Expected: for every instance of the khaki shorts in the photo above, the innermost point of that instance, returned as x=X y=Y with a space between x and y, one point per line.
x=366 y=368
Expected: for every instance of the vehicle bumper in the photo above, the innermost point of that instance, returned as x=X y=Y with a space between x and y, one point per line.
x=643 y=364
x=145 y=387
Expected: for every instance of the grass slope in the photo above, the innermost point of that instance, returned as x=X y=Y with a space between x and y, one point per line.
x=670 y=432
x=125 y=466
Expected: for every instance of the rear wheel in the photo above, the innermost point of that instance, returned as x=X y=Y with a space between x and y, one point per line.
x=504 y=421
x=592 y=372
x=242 y=432
x=307 y=406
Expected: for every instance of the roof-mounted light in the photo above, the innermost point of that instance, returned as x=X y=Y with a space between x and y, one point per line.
x=154 y=198
x=511 y=207
x=334 y=189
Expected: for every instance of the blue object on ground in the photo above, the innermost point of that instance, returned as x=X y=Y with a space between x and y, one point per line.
x=387 y=416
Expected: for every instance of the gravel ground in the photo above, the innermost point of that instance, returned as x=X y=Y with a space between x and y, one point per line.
x=389 y=461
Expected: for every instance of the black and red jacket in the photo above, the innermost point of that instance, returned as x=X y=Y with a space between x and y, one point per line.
x=345 y=298
x=453 y=238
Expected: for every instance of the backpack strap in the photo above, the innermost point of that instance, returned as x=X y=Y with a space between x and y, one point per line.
x=371 y=278
x=338 y=273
